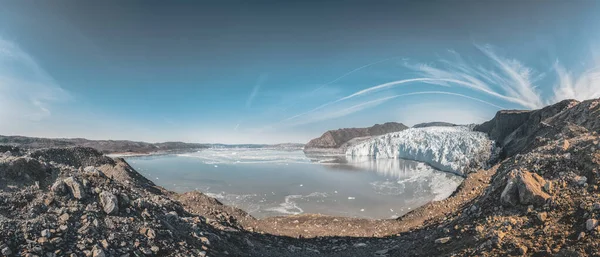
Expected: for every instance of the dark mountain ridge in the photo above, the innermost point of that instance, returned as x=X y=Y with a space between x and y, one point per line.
x=337 y=138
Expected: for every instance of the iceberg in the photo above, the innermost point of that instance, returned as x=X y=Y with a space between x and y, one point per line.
x=457 y=150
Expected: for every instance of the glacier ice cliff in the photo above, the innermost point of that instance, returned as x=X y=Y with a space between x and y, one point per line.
x=459 y=150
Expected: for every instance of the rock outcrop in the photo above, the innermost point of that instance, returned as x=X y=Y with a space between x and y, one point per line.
x=517 y=131
x=337 y=138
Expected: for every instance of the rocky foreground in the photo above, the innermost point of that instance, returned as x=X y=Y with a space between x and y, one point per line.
x=540 y=198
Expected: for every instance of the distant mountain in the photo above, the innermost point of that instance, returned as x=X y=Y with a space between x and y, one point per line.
x=105 y=146
x=124 y=146
x=434 y=124
x=333 y=139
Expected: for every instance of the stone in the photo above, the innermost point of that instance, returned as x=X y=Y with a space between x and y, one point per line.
x=357 y=245
x=205 y=240
x=581 y=180
x=542 y=216
x=155 y=248
x=522 y=249
x=46 y=233
x=6 y=251
x=59 y=187
x=97 y=251
x=94 y=171
x=64 y=218
x=382 y=252
x=104 y=243
x=148 y=232
x=591 y=224
x=109 y=202
x=525 y=188
x=146 y=250
x=42 y=240
x=442 y=240
x=509 y=195
x=76 y=188
x=548 y=187
x=581 y=235
x=565 y=145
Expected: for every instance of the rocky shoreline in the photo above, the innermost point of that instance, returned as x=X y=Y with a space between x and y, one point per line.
x=540 y=198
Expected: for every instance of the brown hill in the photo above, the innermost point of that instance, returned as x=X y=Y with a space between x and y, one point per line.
x=336 y=138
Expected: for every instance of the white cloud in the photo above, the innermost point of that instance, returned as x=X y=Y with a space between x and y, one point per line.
x=27 y=91
x=261 y=80
x=502 y=78
x=582 y=87
x=327 y=115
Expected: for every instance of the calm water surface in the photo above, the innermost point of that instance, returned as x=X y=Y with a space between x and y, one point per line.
x=267 y=182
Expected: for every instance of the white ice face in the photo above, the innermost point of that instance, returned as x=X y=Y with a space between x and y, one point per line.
x=451 y=149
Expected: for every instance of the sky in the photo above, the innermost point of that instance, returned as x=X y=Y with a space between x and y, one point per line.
x=284 y=71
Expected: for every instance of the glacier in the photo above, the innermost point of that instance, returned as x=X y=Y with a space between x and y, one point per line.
x=458 y=150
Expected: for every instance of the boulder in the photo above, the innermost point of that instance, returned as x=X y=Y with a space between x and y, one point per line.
x=59 y=187
x=76 y=188
x=110 y=203
x=591 y=224
x=525 y=188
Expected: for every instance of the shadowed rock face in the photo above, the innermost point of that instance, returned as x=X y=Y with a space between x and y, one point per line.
x=336 y=138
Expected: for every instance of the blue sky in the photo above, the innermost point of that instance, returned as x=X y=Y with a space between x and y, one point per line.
x=268 y=72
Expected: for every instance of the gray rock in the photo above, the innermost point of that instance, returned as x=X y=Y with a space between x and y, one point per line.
x=64 y=218
x=59 y=187
x=581 y=180
x=89 y=169
x=146 y=250
x=382 y=252
x=442 y=240
x=98 y=252
x=591 y=224
x=76 y=188
x=360 y=245
x=46 y=233
x=109 y=202
x=6 y=251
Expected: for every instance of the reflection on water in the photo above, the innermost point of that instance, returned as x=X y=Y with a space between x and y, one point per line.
x=272 y=182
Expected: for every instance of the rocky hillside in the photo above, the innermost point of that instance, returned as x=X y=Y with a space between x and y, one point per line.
x=105 y=146
x=337 y=138
x=518 y=131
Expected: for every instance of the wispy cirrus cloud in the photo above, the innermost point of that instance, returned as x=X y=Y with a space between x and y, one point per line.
x=27 y=91
x=505 y=79
x=372 y=103
x=569 y=86
x=260 y=81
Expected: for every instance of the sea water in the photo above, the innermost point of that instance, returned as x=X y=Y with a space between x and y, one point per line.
x=272 y=182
